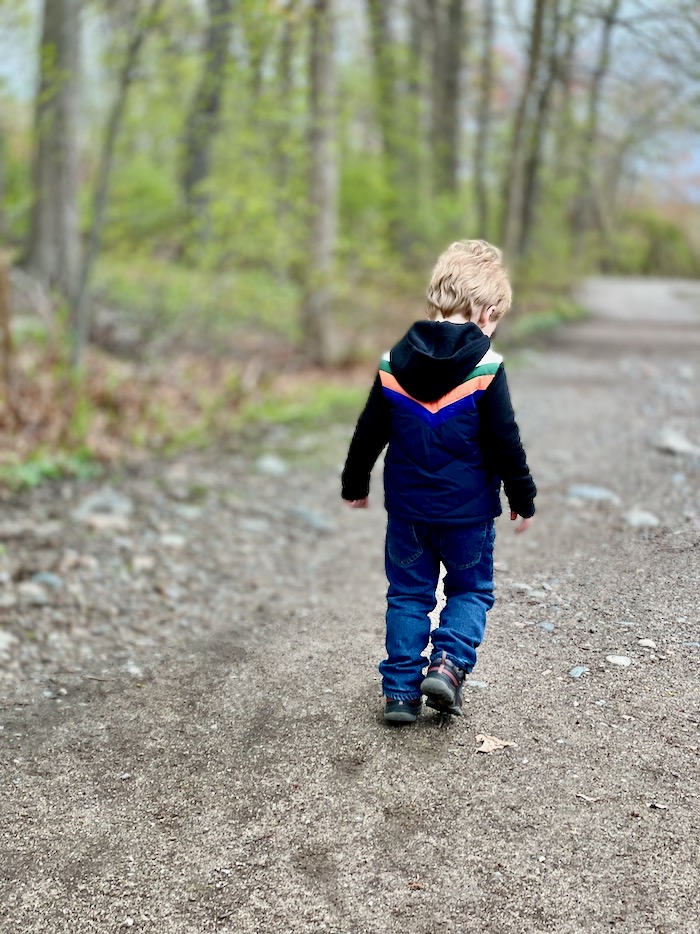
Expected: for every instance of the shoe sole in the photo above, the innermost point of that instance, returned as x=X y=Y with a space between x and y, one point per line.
x=440 y=696
x=401 y=717
x=452 y=710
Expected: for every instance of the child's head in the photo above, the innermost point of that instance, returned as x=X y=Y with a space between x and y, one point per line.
x=470 y=274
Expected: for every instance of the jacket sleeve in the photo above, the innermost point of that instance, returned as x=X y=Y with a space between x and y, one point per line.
x=503 y=450
x=371 y=435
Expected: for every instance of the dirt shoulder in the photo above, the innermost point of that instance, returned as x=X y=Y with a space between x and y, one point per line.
x=191 y=720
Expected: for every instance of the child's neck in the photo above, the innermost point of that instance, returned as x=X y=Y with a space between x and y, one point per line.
x=457 y=318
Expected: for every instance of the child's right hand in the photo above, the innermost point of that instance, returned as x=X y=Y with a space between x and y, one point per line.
x=358 y=503
x=523 y=525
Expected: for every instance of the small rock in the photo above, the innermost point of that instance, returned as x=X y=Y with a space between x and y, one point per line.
x=172 y=540
x=7 y=601
x=33 y=594
x=103 y=502
x=548 y=627
x=520 y=588
x=477 y=685
x=594 y=494
x=272 y=465
x=622 y=661
x=673 y=442
x=647 y=643
x=103 y=522
x=131 y=668
x=640 y=519
x=537 y=596
x=314 y=520
x=578 y=671
x=47 y=579
x=143 y=563
x=7 y=641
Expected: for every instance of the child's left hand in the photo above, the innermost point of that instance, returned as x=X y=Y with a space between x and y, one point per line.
x=523 y=525
x=358 y=503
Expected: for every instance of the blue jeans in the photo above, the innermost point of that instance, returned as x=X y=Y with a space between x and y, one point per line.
x=413 y=555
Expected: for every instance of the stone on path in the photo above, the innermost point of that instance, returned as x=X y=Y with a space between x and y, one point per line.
x=670 y=441
x=272 y=465
x=647 y=643
x=641 y=519
x=592 y=494
x=578 y=671
x=622 y=661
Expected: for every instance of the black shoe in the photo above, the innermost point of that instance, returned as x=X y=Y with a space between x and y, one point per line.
x=402 y=711
x=443 y=686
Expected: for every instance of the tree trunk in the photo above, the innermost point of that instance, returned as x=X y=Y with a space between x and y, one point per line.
x=538 y=134
x=202 y=123
x=586 y=210
x=53 y=247
x=483 y=130
x=513 y=181
x=323 y=183
x=449 y=48
x=81 y=317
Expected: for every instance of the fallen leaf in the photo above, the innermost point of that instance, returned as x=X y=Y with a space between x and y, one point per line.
x=591 y=798
x=490 y=743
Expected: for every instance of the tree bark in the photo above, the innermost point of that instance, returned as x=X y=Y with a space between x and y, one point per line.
x=483 y=130
x=538 y=134
x=323 y=183
x=81 y=310
x=449 y=57
x=53 y=248
x=586 y=210
x=203 y=120
x=513 y=181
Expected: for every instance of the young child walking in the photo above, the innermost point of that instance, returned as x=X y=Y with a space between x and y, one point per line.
x=441 y=403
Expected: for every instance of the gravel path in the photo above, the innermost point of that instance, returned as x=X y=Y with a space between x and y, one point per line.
x=191 y=735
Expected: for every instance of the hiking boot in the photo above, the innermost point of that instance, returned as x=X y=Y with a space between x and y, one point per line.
x=442 y=686
x=402 y=711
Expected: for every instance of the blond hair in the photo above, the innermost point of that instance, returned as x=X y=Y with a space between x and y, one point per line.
x=469 y=274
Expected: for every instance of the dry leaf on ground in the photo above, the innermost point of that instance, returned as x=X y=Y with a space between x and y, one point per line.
x=489 y=743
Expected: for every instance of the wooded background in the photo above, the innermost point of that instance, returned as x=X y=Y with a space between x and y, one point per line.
x=212 y=166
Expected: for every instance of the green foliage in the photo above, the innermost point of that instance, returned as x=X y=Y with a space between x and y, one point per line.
x=650 y=244
x=309 y=406
x=42 y=466
x=167 y=296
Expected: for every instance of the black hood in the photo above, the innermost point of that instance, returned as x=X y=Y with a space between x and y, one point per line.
x=435 y=356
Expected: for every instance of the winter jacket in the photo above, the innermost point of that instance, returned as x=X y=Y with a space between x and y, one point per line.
x=441 y=403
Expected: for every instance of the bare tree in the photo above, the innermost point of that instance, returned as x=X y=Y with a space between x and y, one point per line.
x=323 y=182
x=586 y=209
x=538 y=130
x=203 y=120
x=448 y=31
x=81 y=318
x=483 y=127
x=513 y=180
x=53 y=248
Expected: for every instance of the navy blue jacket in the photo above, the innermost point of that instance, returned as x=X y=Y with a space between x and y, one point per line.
x=441 y=402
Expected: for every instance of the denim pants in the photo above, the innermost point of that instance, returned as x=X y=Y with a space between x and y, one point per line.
x=414 y=553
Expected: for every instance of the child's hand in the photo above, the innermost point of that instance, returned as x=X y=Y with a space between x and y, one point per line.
x=358 y=503
x=523 y=525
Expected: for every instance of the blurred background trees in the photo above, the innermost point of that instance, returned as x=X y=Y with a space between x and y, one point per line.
x=218 y=168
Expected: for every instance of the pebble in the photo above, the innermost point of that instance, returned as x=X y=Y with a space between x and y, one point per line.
x=578 y=670
x=647 y=643
x=622 y=661
x=548 y=627
x=172 y=540
x=272 y=465
x=314 y=520
x=537 y=596
x=47 y=579
x=477 y=685
x=7 y=601
x=640 y=519
x=7 y=640
x=33 y=594
x=595 y=494
x=103 y=502
x=670 y=441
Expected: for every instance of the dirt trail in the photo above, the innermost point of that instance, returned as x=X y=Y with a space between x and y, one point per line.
x=242 y=781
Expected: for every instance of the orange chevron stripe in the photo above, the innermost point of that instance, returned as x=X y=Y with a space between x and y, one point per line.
x=389 y=381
